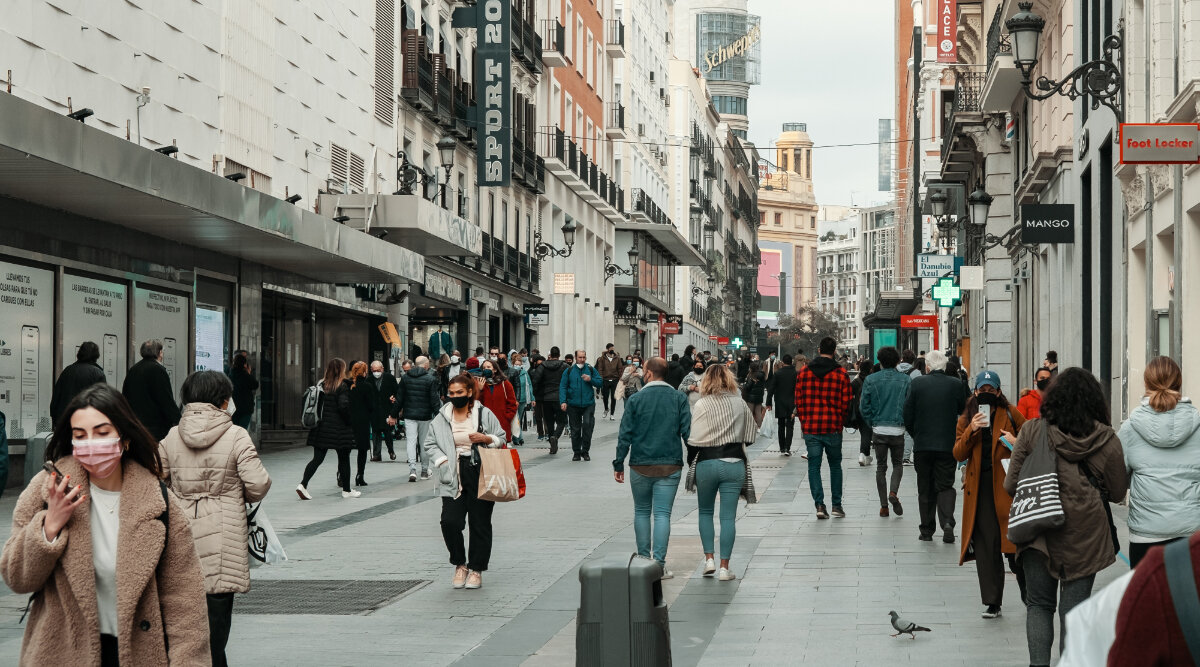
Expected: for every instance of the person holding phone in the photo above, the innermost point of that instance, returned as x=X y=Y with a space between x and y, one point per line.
x=986 y=503
x=108 y=557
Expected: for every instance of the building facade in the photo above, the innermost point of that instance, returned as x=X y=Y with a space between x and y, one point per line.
x=839 y=249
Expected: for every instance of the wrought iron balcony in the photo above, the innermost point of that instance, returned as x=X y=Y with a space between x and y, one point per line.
x=615 y=129
x=526 y=44
x=614 y=38
x=957 y=150
x=554 y=44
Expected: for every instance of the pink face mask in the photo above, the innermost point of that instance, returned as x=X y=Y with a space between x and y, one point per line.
x=99 y=456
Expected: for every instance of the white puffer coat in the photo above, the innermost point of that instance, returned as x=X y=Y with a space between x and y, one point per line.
x=214 y=470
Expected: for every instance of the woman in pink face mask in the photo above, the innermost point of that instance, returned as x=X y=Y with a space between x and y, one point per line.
x=100 y=548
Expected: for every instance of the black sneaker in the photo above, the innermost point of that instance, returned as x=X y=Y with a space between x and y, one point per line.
x=838 y=512
x=553 y=445
x=992 y=611
x=925 y=538
x=948 y=535
x=822 y=513
x=587 y=457
x=577 y=458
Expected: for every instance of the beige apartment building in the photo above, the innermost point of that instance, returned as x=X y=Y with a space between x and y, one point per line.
x=787 y=232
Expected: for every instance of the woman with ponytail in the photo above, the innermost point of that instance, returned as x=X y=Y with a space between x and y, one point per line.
x=1161 y=440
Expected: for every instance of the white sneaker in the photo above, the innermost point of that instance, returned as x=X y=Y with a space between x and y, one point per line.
x=710 y=566
x=667 y=574
x=412 y=476
x=725 y=575
x=303 y=492
x=351 y=494
x=862 y=460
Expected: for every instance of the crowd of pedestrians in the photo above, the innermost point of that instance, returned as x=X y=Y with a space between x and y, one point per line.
x=689 y=419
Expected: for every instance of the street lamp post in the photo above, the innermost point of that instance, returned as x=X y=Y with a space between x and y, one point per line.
x=1101 y=79
x=542 y=250
x=611 y=269
x=447 y=147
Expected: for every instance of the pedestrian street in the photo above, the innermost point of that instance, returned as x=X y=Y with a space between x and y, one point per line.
x=808 y=592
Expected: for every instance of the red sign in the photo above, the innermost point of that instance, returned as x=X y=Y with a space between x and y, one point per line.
x=713 y=337
x=1160 y=143
x=723 y=340
x=671 y=324
x=947 y=32
x=918 y=321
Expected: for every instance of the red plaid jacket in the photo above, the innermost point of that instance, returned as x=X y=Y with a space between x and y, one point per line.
x=821 y=401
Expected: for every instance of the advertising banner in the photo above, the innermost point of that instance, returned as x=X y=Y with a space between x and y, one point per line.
x=672 y=324
x=1048 y=223
x=210 y=338
x=164 y=316
x=493 y=77
x=947 y=34
x=26 y=348
x=1160 y=143
x=97 y=310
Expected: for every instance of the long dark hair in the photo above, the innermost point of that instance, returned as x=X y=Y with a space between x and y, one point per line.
x=141 y=447
x=1075 y=403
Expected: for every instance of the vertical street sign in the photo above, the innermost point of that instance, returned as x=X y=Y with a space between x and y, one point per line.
x=947 y=31
x=493 y=86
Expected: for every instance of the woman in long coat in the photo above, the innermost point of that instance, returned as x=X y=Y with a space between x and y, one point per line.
x=985 y=502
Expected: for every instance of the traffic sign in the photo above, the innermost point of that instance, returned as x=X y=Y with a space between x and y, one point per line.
x=946 y=293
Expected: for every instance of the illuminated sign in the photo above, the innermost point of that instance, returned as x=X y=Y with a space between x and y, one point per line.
x=737 y=47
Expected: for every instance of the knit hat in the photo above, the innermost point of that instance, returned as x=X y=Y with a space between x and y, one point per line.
x=472 y=362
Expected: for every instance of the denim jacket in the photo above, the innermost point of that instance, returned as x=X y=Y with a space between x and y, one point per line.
x=883 y=394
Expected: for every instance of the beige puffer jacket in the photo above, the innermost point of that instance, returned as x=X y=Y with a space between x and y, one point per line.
x=212 y=467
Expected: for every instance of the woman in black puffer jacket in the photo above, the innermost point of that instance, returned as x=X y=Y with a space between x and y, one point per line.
x=334 y=431
x=754 y=389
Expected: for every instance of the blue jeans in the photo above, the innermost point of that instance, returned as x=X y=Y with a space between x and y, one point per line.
x=726 y=477
x=652 y=495
x=830 y=445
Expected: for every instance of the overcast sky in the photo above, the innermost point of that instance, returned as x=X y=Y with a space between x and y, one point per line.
x=831 y=65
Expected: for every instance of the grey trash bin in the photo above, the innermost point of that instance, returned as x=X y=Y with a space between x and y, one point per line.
x=622 y=616
x=35 y=454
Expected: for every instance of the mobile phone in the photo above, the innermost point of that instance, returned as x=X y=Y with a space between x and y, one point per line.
x=30 y=378
x=986 y=411
x=1006 y=443
x=50 y=468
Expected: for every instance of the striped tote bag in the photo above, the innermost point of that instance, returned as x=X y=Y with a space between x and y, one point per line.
x=1036 y=507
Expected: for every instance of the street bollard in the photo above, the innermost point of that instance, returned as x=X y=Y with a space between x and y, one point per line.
x=622 y=616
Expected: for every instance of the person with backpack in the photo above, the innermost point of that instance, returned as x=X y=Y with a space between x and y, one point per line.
x=97 y=599
x=332 y=429
x=211 y=465
x=546 y=379
x=417 y=401
x=577 y=398
x=1060 y=564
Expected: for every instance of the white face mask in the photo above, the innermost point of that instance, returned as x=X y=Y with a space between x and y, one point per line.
x=579 y=364
x=377 y=374
x=454 y=359
x=230 y=408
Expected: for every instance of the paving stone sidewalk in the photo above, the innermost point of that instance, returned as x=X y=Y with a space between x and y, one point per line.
x=812 y=592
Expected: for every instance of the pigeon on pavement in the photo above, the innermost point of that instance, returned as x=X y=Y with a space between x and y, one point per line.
x=904 y=627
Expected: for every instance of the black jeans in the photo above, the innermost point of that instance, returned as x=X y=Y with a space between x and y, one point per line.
x=935 y=489
x=1138 y=550
x=888 y=446
x=866 y=440
x=1043 y=595
x=378 y=437
x=787 y=426
x=457 y=511
x=220 y=617
x=608 y=394
x=109 y=655
x=583 y=420
x=343 y=456
x=987 y=542
x=552 y=418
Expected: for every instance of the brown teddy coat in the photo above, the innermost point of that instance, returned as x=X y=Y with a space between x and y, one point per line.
x=213 y=469
x=160 y=590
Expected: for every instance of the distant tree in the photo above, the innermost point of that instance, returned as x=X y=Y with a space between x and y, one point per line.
x=803 y=330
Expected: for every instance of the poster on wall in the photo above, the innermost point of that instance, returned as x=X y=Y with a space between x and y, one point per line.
x=97 y=310
x=163 y=316
x=210 y=338
x=26 y=348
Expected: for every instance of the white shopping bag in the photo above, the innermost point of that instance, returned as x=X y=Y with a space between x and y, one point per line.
x=769 y=428
x=262 y=541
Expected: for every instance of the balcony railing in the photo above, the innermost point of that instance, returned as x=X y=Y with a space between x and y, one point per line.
x=418 y=84
x=526 y=43
x=997 y=41
x=554 y=44
x=968 y=92
x=614 y=38
x=568 y=158
x=641 y=203
x=615 y=128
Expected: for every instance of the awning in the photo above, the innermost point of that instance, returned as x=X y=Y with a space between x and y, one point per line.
x=669 y=237
x=410 y=221
x=890 y=307
x=59 y=163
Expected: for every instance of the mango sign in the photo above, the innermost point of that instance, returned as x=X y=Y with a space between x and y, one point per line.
x=1160 y=143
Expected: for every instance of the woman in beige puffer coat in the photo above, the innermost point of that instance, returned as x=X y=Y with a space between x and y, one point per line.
x=211 y=465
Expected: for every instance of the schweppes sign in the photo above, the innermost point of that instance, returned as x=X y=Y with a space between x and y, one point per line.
x=738 y=47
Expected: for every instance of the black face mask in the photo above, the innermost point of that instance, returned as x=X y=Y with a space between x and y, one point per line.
x=698 y=370
x=985 y=398
x=1042 y=384
x=460 y=401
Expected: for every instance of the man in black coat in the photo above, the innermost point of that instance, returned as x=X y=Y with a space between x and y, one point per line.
x=386 y=389
x=781 y=397
x=148 y=389
x=418 y=398
x=676 y=371
x=80 y=375
x=931 y=411
x=545 y=381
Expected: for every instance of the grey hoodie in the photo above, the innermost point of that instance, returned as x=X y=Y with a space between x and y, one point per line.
x=1162 y=454
x=908 y=369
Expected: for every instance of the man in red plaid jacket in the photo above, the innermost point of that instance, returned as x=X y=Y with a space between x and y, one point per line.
x=822 y=395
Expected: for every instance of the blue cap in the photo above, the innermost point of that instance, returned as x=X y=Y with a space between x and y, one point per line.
x=987 y=377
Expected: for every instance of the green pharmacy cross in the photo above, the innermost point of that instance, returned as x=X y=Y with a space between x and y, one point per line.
x=946 y=293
